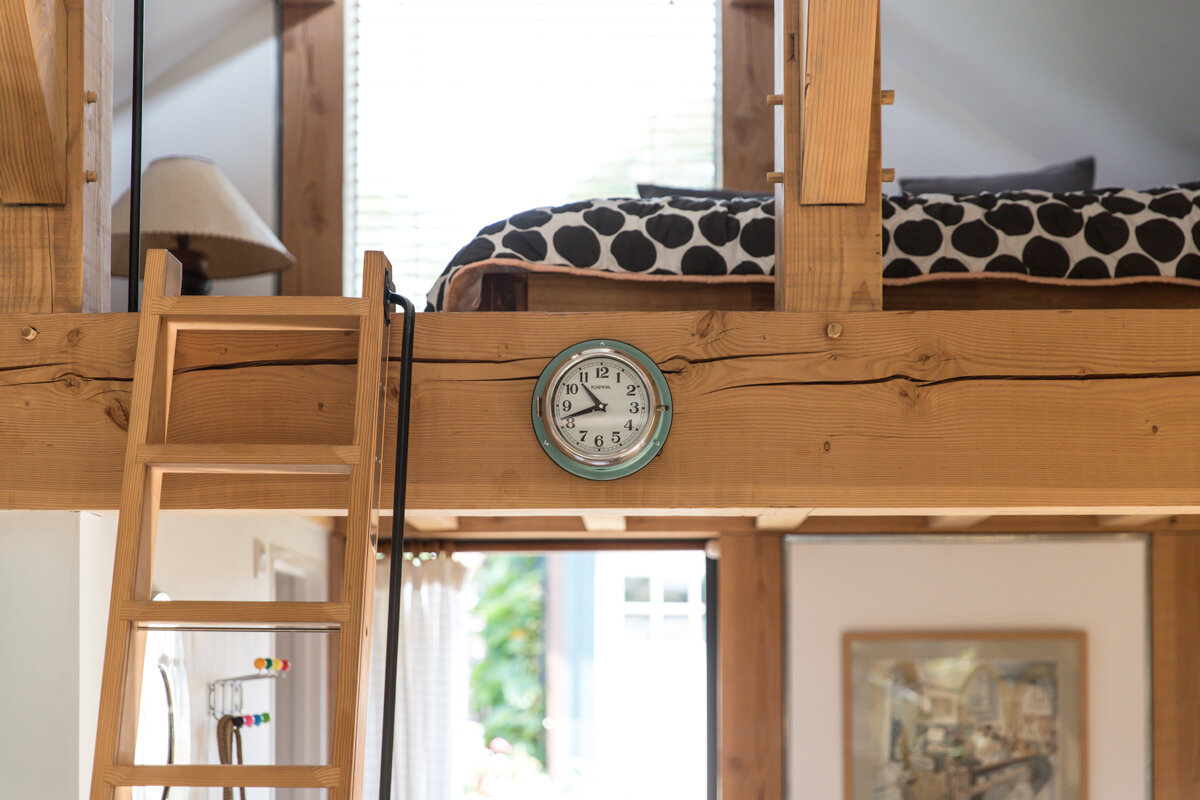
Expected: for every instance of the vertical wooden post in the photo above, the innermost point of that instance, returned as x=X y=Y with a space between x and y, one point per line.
x=55 y=222
x=312 y=149
x=1175 y=648
x=747 y=77
x=750 y=666
x=829 y=239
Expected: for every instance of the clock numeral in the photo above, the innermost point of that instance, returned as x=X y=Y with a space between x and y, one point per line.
x=583 y=377
x=582 y=436
x=616 y=437
x=570 y=423
x=598 y=441
x=629 y=425
x=572 y=389
x=635 y=407
x=601 y=372
x=630 y=390
x=566 y=405
x=619 y=374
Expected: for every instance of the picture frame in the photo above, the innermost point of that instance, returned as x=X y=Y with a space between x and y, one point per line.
x=965 y=715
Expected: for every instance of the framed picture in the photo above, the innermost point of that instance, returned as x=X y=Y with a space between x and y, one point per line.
x=965 y=715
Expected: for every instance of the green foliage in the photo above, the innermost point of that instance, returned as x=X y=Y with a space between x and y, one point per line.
x=508 y=691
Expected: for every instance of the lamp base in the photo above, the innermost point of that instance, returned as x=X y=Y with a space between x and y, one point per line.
x=195 y=269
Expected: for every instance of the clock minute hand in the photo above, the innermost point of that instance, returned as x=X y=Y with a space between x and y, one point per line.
x=593 y=397
x=584 y=411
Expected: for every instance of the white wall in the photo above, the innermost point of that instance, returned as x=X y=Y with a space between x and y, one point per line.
x=55 y=580
x=52 y=626
x=996 y=87
x=1098 y=586
x=218 y=97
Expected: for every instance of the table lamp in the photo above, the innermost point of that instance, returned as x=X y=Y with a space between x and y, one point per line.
x=190 y=208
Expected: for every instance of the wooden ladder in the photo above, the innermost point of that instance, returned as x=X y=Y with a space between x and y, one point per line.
x=149 y=456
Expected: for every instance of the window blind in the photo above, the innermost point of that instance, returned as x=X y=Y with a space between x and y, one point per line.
x=464 y=112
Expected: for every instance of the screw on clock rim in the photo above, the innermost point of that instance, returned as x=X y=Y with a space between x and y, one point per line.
x=659 y=428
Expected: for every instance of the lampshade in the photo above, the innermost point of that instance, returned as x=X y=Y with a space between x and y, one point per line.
x=190 y=196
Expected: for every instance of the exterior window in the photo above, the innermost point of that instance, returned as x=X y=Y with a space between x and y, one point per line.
x=610 y=701
x=440 y=146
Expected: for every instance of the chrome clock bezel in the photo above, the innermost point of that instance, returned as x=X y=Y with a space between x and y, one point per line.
x=630 y=459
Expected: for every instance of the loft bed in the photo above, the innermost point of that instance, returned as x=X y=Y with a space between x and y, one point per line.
x=1108 y=248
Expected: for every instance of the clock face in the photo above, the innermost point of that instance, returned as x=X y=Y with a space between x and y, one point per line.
x=601 y=409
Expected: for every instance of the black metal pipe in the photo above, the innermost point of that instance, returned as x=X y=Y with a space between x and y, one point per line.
x=711 y=634
x=397 y=560
x=135 y=164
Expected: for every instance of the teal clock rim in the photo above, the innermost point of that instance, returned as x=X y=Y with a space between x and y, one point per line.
x=661 y=428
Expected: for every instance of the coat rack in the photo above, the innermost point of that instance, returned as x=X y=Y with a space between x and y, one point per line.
x=225 y=694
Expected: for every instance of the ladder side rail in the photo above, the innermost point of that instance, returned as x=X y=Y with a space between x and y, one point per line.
x=116 y=727
x=358 y=581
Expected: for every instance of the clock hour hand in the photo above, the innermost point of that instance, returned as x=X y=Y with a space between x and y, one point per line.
x=584 y=411
x=593 y=397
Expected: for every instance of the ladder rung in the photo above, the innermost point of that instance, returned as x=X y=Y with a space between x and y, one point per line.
x=234 y=613
x=291 y=777
x=260 y=459
x=261 y=313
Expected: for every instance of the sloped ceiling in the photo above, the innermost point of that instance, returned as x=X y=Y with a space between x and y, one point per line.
x=175 y=30
x=1049 y=80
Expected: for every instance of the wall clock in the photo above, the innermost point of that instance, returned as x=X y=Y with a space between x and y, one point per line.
x=601 y=409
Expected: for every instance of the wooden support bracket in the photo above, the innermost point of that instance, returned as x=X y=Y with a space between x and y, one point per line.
x=33 y=81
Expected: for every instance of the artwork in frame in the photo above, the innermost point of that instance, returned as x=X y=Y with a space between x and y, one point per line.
x=965 y=715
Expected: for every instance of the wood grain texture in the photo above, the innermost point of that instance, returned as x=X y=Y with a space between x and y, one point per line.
x=833 y=254
x=312 y=156
x=33 y=94
x=750 y=643
x=747 y=74
x=547 y=291
x=925 y=411
x=55 y=258
x=839 y=101
x=1175 y=603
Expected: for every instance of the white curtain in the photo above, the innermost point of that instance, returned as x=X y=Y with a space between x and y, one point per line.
x=431 y=682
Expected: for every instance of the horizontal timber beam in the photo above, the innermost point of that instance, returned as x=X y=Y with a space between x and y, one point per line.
x=934 y=413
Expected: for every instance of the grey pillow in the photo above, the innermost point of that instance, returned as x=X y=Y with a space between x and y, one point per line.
x=651 y=190
x=1073 y=176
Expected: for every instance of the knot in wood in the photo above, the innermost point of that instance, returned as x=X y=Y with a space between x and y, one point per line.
x=833 y=330
x=117 y=412
x=29 y=333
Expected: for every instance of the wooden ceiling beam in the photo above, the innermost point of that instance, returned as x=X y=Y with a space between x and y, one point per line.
x=603 y=523
x=1128 y=520
x=782 y=519
x=949 y=522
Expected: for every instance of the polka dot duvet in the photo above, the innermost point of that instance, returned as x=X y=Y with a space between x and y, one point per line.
x=1103 y=235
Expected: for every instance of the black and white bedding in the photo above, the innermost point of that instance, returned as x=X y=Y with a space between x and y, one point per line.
x=1097 y=236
